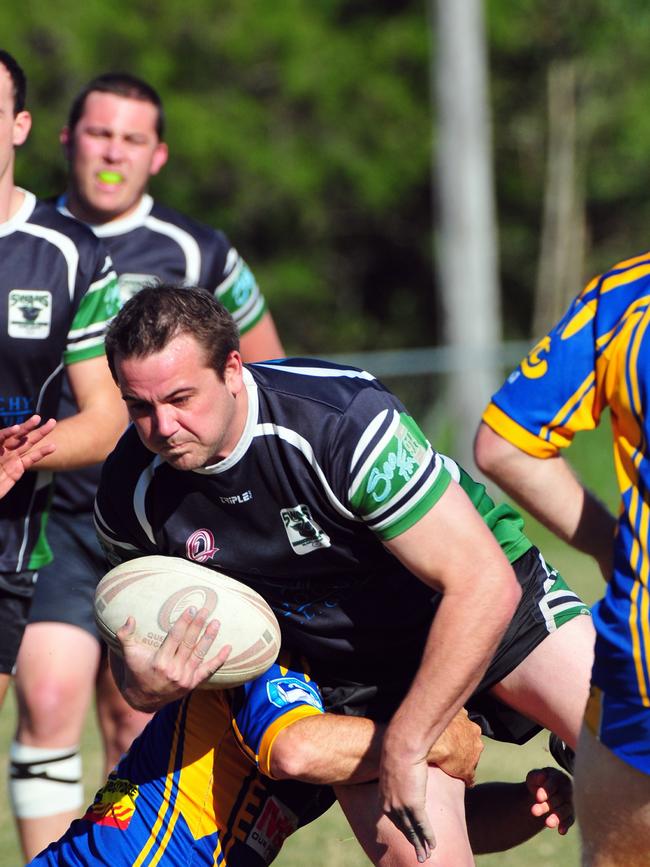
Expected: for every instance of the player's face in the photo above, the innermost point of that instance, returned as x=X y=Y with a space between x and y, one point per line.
x=14 y=129
x=112 y=151
x=182 y=409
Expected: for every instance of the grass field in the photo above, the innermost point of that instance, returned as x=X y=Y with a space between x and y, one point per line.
x=329 y=841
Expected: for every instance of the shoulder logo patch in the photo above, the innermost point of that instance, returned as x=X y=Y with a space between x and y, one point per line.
x=30 y=313
x=402 y=462
x=290 y=690
x=303 y=532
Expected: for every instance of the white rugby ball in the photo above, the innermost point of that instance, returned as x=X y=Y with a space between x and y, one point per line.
x=156 y=590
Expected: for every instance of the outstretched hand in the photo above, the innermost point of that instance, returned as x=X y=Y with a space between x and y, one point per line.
x=153 y=677
x=552 y=794
x=20 y=449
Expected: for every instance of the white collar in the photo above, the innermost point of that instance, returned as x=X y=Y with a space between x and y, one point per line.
x=21 y=216
x=114 y=227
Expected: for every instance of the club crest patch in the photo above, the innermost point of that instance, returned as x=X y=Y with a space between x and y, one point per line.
x=114 y=804
x=303 y=532
x=29 y=314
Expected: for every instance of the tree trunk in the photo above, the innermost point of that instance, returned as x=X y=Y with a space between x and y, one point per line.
x=561 y=261
x=467 y=245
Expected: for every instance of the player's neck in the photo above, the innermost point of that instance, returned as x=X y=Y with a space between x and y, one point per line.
x=84 y=212
x=11 y=200
x=235 y=431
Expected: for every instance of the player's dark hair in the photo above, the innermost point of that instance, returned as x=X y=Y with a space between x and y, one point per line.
x=120 y=84
x=157 y=314
x=18 y=79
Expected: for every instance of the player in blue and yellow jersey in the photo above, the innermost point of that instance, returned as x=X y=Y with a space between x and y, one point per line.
x=194 y=788
x=207 y=782
x=596 y=357
x=114 y=143
x=57 y=293
x=387 y=566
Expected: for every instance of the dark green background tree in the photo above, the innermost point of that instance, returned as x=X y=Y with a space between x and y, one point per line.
x=303 y=130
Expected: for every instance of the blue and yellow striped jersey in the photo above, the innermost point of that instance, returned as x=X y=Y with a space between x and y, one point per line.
x=598 y=356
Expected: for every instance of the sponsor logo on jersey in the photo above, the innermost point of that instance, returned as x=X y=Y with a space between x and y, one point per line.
x=304 y=533
x=534 y=366
x=244 y=285
x=15 y=409
x=290 y=690
x=200 y=546
x=400 y=461
x=275 y=823
x=30 y=313
x=130 y=284
x=237 y=498
x=114 y=804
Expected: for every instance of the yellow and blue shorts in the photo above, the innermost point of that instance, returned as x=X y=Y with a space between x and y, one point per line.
x=622 y=726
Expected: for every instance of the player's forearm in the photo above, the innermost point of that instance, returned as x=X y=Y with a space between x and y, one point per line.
x=464 y=635
x=86 y=438
x=549 y=490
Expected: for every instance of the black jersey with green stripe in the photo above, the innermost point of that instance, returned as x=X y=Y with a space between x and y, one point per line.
x=329 y=466
x=58 y=291
x=158 y=244
x=155 y=243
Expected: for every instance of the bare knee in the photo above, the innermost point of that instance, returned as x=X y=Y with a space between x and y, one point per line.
x=50 y=707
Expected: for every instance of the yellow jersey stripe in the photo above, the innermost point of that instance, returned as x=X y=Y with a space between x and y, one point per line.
x=516 y=434
x=166 y=802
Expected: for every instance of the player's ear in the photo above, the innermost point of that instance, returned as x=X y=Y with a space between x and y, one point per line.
x=232 y=372
x=159 y=158
x=65 y=139
x=22 y=126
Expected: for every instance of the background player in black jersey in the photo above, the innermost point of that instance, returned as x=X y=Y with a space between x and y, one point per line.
x=114 y=143
x=402 y=598
x=58 y=291
x=21 y=448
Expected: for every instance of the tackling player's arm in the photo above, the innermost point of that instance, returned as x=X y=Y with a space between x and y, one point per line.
x=452 y=550
x=548 y=489
x=87 y=437
x=340 y=750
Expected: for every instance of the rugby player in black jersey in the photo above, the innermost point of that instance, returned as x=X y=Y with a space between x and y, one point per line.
x=114 y=143
x=411 y=593
x=58 y=291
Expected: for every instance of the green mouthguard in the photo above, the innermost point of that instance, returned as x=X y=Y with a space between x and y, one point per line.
x=110 y=177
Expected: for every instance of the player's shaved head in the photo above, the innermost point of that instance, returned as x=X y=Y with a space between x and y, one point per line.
x=157 y=314
x=120 y=84
x=18 y=78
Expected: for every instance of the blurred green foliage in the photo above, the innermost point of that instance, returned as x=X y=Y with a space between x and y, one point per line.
x=305 y=131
